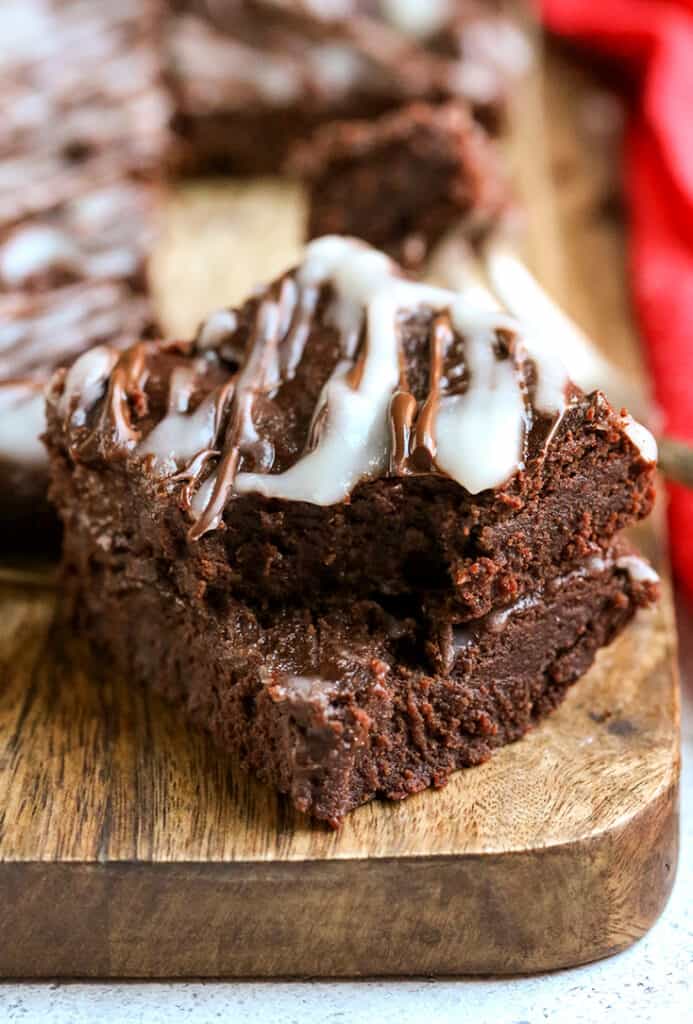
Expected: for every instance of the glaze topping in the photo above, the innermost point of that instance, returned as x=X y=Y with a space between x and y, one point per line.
x=341 y=371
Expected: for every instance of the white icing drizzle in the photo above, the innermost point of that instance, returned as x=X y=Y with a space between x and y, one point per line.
x=637 y=568
x=217 y=328
x=23 y=416
x=180 y=436
x=552 y=341
x=417 y=18
x=336 y=67
x=354 y=441
x=36 y=250
x=479 y=433
x=550 y=331
x=86 y=382
x=181 y=387
x=99 y=210
x=118 y=262
x=476 y=436
x=641 y=438
x=496 y=621
x=328 y=9
x=202 y=496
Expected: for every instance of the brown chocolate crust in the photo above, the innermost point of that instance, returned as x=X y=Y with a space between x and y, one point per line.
x=400 y=181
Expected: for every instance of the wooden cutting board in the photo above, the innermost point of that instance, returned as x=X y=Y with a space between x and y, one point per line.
x=130 y=847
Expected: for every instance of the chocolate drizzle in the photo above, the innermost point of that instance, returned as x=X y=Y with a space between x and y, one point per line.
x=126 y=387
x=403 y=408
x=320 y=384
x=262 y=372
x=425 y=437
x=413 y=430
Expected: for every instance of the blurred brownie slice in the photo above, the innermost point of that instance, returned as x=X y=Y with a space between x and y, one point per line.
x=69 y=279
x=400 y=181
x=40 y=331
x=250 y=78
x=83 y=91
x=83 y=138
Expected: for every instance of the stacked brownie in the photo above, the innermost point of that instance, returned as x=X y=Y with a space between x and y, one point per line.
x=83 y=134
x=250 y=77
x=364 y=530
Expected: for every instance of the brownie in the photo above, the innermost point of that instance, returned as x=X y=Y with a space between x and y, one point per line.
x=25 y=515
x=249 y=78
x=335 y=704
x=318 y=523
x=83 y=138
x=71 y=278
x=310 y=500
x=401 y=180
x=40 y=331
x=102 y=233
x=83 y=91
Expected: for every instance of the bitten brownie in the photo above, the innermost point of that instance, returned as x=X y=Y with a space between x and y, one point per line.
x=250 y=78
x=344 y=525
x=400 y=181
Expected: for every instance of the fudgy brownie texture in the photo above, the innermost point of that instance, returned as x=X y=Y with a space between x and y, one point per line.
x=335 y=703
x=400 y=181
x=333 y=522
x=251 y=77
x=249 y=431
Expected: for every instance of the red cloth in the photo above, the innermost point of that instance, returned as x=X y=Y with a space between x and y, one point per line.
x=653 y=41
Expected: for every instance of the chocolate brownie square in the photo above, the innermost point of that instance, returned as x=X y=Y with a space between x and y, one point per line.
x=332 y=522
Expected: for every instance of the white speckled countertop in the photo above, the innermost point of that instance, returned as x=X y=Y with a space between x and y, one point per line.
x=650 y=983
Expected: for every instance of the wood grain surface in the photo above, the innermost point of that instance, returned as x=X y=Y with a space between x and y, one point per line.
x=130 y=847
